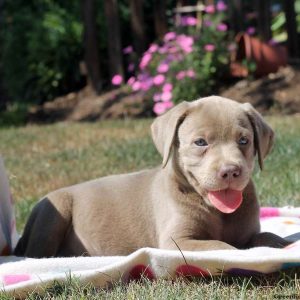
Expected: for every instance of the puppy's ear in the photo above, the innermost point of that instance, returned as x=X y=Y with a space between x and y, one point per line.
x=164 y=129
x=263 y=133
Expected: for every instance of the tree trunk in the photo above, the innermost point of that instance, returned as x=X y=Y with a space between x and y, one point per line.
x=3 y=95
x=160 y=18
x=113 y=37
x=137 y=25
x=236 y=15
x=291 y=28
x=91 y=54
x=264 y=19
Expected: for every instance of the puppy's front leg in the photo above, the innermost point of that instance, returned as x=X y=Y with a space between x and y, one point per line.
x=197 y=245
x=267 y=239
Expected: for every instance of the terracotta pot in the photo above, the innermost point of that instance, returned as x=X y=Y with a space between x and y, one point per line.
x=267 y=58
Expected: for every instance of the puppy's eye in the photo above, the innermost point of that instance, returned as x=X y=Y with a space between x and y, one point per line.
x=243 y=141
x=201 y=142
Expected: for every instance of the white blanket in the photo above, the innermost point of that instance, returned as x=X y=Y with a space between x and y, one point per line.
x=19 y=276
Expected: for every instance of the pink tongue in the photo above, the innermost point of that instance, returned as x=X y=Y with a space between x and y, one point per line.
x=226 y=201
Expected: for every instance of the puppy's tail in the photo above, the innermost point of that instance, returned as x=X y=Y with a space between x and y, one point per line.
x=46 y=227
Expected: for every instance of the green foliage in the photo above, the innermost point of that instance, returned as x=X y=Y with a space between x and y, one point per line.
x=209 y=60
x=38 y=38
x=14 y=115
x=297 y=8
x=278 y=25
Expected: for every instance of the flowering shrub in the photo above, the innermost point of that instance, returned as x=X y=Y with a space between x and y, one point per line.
x=187 y=64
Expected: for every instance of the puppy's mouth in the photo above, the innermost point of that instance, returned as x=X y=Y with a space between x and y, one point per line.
x=227 y=201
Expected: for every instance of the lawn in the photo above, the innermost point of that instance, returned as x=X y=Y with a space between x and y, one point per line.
x=40 y=159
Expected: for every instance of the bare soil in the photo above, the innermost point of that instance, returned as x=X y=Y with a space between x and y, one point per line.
x=277 y=93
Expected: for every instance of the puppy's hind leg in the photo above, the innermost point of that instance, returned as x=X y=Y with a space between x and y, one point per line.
x=46 y=227
x=268 y=239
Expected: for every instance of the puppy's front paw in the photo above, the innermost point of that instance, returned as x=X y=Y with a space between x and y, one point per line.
x=201 y=245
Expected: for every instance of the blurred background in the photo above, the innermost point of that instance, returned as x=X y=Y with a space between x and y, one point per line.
x=94 y=59
x=75 y=63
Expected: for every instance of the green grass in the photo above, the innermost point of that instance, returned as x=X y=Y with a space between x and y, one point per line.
x=218 y=288
x=40 y=159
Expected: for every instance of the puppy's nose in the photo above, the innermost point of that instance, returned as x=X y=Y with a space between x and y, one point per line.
x=229 y=172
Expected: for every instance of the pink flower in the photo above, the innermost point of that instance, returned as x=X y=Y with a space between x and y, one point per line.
x=128 y=50
x=191 y=21
x=145 y=87
x=209 y=47
x=251 y=30
x=153 y=48
x=131 y=81
x=185 y=40
x=180 y=75
x=221 y=6
x=117 y=79
x=167 y=87
x=173 y=50
x=143 y=76
x=166 y=96
x=156 y=97
x=222 y=27
x=162 y=50
x=146 y=84
x=145 y=60
x=169 y=36
x=210 y=9
x=130 y=67
x=159 y=79
x=187 y=49
x=163 y=68
x=207 y=23
x=161 y=107
x=136 y=86
x=170 y=58
x=188 y=21
x=191 y=73
x=169 y=104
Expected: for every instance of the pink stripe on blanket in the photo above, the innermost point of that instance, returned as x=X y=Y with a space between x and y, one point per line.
x=15 y=278
x=141 y=271
x=268 y=212
x=190 y=270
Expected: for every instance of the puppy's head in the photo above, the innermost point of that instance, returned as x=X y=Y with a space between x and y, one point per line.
x=214 y=141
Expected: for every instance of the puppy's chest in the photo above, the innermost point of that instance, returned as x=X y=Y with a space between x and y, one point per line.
x=206 y=226
x=216 y=227
x=206 y=223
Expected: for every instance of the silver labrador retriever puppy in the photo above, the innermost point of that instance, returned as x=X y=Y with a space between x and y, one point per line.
x=200 y=198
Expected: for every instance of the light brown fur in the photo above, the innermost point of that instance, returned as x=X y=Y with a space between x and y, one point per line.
x=165 y=207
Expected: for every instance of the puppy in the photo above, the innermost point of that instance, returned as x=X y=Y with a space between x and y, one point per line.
x=200 y=198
